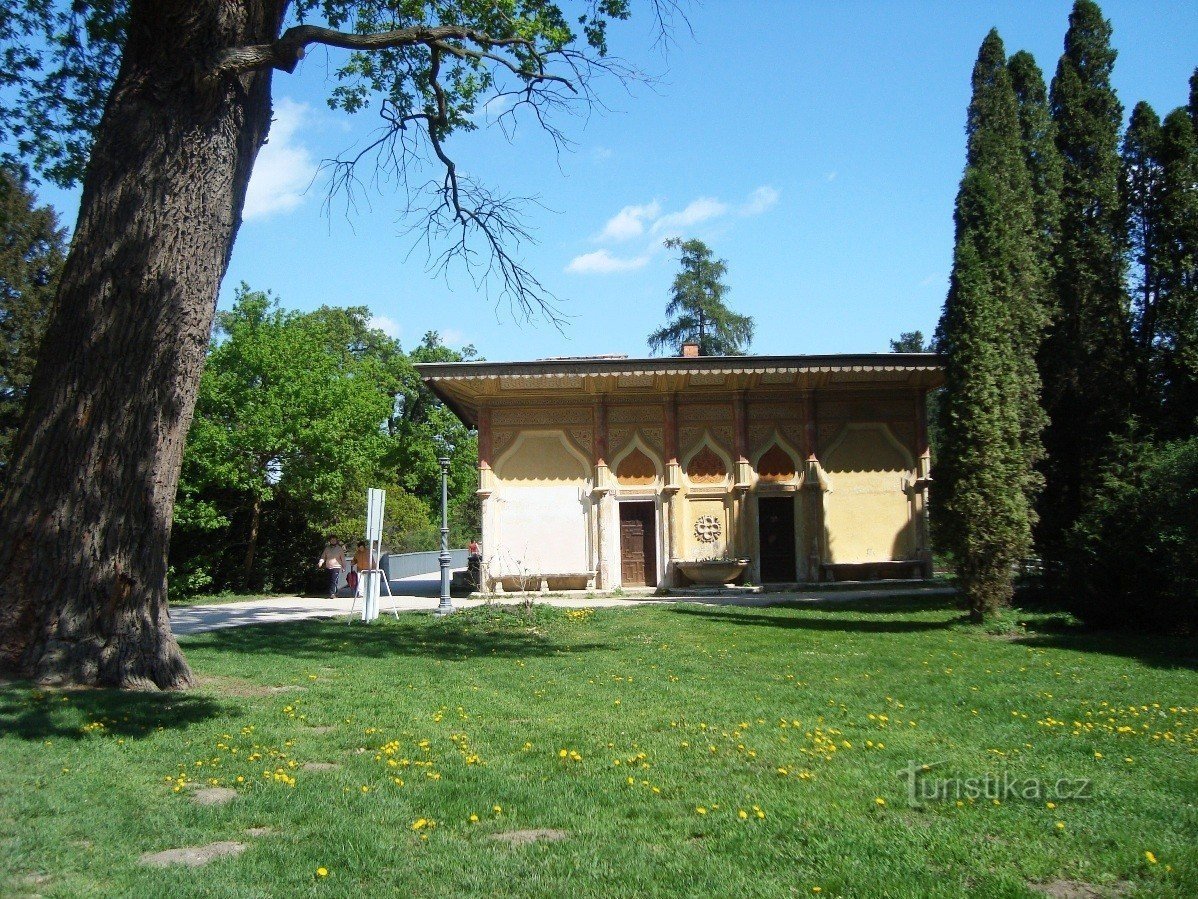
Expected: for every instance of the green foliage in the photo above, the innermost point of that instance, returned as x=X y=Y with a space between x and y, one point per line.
x=909 y=342
x=988 y=415
x=697 y=311
x=59 y=62
x=1132 y=559
x=1087 y=362
x=1177 y=260
x=32 y=249
x=1038 y=133
x=298 y=414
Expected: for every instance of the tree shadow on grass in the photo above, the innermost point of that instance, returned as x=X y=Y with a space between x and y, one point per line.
x=1155 y=650
x=35 y=714
x=797 y=616
x=447 y=640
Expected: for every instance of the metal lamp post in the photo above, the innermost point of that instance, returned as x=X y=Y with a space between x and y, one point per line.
x=446 y=606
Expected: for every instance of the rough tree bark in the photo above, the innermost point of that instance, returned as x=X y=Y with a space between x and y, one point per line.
x=86 y=520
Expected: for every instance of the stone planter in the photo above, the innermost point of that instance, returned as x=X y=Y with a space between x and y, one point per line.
x=713 y=571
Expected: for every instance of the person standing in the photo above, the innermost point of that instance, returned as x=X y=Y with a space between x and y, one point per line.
x=333 y=561
x=362 y=563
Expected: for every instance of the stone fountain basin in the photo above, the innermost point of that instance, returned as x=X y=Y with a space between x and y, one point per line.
x=713 y=571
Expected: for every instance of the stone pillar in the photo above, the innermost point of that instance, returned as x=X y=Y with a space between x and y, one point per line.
x=814 y=486
x=671 y=496
x=605 y=527
x=923 y=542
x=744 y=475
x=486 y=486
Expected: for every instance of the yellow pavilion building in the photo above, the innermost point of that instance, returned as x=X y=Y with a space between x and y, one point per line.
x=606 y=472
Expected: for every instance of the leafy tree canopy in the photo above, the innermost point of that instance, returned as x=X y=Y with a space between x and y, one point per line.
x=697 y=312
x=425 y=68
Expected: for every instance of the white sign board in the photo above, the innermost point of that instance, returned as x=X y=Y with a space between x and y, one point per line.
x=374 y=514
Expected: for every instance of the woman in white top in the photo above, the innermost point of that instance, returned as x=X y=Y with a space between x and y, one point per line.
x=332 y=560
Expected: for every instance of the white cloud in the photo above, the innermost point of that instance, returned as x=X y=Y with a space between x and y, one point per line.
x=386 y=324
x=600 y=153
x=284 y=168
x=830 y=176
x=700 y=210
x=629 y=222
x=601 y=262
x=759 y=201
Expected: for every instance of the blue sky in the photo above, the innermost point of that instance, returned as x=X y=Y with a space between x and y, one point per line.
x=816 y=147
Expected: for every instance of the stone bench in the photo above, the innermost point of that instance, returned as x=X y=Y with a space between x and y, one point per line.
x=544 y=583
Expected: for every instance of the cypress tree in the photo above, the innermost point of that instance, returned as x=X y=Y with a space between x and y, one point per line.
x=1178 y=278
x=1140 y=187
x=1086 y=361
x=1039 y=133
x=984 y=477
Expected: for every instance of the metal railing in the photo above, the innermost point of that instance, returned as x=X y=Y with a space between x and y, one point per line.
x=401 y=565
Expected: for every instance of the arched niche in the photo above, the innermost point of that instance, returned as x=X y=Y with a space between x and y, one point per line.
x=637 y=465
x=542 y=457
x=707 y=466
x=867 y=513
x=778 y=463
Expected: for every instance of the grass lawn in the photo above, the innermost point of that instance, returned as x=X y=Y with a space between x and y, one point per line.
x=680 y=751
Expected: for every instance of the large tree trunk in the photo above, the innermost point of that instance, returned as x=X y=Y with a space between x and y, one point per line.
x=86 y=520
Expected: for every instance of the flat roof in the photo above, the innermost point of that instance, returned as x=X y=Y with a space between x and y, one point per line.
x=608 y=366
x=461 y=385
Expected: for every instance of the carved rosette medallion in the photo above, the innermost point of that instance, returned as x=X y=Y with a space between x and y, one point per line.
x=707 y=529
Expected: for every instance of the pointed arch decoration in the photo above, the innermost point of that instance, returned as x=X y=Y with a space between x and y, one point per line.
x=636 y=469
x=706 y=467
x=777 y=466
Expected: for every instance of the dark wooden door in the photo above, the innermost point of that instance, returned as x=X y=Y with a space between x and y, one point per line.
x=776 y=529
x=638 y=541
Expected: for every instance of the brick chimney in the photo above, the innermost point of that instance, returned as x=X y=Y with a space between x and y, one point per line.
x=690 y=349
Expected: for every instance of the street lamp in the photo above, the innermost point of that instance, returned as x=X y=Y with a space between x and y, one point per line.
x=446 y=606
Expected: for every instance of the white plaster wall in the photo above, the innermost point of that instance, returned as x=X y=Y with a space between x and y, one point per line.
x=543 y=529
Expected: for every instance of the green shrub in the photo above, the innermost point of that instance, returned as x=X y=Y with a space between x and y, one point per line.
x=1132 y=558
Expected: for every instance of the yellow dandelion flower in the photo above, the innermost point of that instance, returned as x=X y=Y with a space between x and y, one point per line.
x=743 y=815
x=419 y=823
x=474 y=819
x=700 y=810
x=880 y=801
x=1151 y=858
x=1060 y=825
x=497 y=809
x=322 y=871
x=1050 y=805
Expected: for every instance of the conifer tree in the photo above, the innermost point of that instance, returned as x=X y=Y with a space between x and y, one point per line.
x=1141 y=195
x=985 y=480
x=696 y=309
x=1178 y=275
x=32 y=249
x=1038 y=132
x=1086 y=362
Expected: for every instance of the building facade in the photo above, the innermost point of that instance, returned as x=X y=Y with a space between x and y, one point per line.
x=611 y=472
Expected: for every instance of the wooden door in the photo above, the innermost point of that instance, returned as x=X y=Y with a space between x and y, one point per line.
x=776 y=531
x=638 y=542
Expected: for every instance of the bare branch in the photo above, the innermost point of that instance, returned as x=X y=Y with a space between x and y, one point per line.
x=286 y=52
